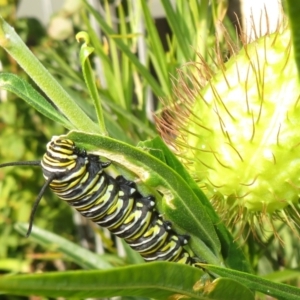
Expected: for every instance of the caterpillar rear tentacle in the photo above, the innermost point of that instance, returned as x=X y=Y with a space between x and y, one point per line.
x=80 y=179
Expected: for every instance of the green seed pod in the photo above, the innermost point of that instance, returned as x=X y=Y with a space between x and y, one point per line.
x=238 y=129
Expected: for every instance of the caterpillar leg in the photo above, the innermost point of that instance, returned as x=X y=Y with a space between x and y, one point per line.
x=122 y=181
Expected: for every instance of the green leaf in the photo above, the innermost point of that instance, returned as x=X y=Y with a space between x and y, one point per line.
x=159 y=280
x=115 y=130
x=293 y=10
x=284 y=275
x=13 y=44
x=179 y=30
x=157 y=52
x=82 y=257
x=126 y=50
x=24 y=90
x=129 y=117
x=87 y=71
x=275 y=289
x=189 y=215
x=225 y=288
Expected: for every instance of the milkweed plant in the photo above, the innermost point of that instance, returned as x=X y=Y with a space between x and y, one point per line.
x=225 y=173
x=236 y=130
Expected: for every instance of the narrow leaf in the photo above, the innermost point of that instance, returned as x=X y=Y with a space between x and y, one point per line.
x=24 y=90
x=82 y=257
x=87 y=71
x=13 y=44
x=275 y=289
x=159 y=280
x=156 y=48
x=293 y=10
x=179 y=30
x=122 y=46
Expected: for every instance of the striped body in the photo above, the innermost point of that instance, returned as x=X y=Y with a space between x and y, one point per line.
x=114 y=203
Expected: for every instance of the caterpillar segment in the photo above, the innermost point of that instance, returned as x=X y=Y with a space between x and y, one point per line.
x=80 y=179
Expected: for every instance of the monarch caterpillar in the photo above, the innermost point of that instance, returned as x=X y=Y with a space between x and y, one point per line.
x=80 y=179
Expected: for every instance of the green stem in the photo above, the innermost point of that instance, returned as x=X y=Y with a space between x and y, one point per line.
x=89 y=79
x=293 y=10
x=13 y=44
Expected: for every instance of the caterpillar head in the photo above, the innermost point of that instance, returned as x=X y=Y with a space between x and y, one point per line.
x=62 y=159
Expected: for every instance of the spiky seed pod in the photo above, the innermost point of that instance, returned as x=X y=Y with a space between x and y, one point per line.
x=238 y=129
